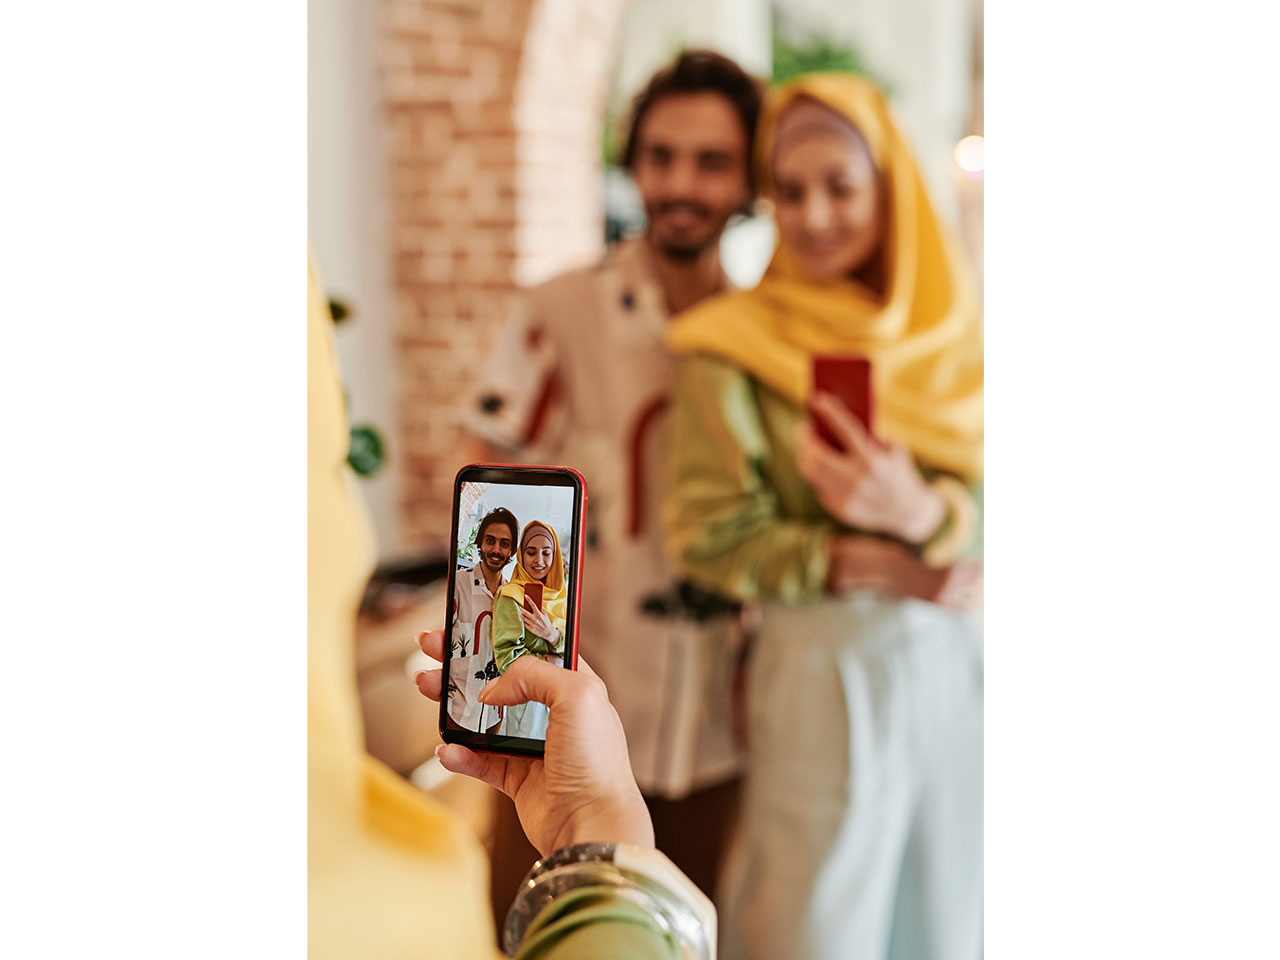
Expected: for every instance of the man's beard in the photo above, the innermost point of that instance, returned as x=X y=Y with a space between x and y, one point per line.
x=683 y=252
x=494 y=564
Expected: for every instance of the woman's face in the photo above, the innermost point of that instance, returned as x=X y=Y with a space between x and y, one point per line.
x=537 y=556
x=829 y=206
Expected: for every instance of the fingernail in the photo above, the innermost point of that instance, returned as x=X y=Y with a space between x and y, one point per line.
x=484 y=692
x=439 y=748
x=417 y=677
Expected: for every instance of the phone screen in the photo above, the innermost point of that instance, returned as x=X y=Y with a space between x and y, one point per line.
x=517 y=535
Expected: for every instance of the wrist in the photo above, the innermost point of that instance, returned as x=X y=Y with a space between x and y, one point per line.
x=924 y=519
x=621 y=819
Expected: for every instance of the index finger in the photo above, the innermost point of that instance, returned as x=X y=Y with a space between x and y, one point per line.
x=842 y=422
x=432 y=644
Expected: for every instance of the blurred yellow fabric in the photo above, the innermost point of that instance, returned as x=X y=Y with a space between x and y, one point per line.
x=924 y=339
x=391 y=873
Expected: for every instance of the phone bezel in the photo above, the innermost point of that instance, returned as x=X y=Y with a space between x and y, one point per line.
x=529 y=475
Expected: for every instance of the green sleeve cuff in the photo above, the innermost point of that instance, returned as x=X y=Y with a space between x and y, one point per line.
x=593 y=922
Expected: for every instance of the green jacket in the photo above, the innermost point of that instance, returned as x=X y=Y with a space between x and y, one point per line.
x=740 y=517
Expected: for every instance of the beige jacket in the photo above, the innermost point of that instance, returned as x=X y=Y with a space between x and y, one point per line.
x=581 y=377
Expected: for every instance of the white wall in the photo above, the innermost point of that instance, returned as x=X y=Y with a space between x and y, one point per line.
x=654 y=31
x=348 y=221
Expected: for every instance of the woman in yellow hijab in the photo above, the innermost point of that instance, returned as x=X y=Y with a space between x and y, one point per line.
x=521 y=626
x=862 y=819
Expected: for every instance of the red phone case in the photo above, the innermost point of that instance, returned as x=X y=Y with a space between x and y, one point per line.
x=848 y=377
x=533 y=591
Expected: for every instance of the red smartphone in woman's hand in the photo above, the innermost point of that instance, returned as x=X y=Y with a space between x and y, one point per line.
x=533 y=593
x=847 y=377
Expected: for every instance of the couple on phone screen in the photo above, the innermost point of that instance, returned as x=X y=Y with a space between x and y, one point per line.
x=521 y=623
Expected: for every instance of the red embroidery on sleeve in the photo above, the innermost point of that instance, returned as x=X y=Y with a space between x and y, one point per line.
x=546 y=399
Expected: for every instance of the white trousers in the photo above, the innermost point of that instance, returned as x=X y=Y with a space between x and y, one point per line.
x=861 y=835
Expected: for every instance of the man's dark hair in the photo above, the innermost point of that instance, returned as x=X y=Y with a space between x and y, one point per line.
x=699 y=71
x=500 y=515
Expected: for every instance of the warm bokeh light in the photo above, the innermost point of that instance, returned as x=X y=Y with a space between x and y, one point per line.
x=969 y=157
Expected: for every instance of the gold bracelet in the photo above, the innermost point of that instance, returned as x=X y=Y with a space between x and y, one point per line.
x=948 y=542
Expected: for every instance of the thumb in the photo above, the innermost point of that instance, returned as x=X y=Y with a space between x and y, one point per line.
x=528 y=678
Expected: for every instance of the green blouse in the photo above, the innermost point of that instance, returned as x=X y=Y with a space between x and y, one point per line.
x=740 y=517
x=511 y=640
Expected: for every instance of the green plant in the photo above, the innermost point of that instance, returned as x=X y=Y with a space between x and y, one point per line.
x=467 y=552
x=366 y=451
x=815 y=53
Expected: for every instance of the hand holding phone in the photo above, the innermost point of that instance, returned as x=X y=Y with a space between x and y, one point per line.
x=866 y=483
x=538 y=624
x=582 y=790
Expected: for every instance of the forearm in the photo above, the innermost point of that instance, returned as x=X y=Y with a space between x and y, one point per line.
x=958 y=534
x=768 y=558
x=508 y=633
x=726 y=529
x=609 y=900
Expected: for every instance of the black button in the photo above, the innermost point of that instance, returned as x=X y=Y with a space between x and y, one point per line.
x=628 y=300
x=491 y=403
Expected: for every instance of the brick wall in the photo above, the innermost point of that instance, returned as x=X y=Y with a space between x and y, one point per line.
x=494 y=114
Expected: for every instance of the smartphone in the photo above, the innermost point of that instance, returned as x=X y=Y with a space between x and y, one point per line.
x=848 y=377
x=517 y=533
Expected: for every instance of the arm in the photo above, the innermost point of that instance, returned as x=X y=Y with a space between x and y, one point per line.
x=508 y=633
x=516 y=404
x=601 y=890
x=722 y=514
x=959 y=536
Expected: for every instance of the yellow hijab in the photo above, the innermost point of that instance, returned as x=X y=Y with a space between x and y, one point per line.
x=391 y=872
x=924 y=337
x=555 y=591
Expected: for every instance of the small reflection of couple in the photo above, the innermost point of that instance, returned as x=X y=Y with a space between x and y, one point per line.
x=495 y=623
x=522 y=626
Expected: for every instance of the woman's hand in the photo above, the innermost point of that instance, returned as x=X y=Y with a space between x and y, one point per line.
x=582 y=790
x=538 y=623
x=871 y=485
x=869 y=563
